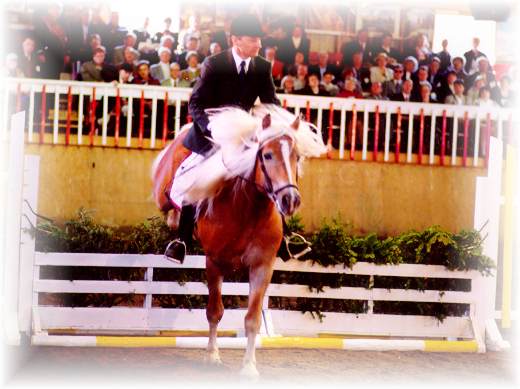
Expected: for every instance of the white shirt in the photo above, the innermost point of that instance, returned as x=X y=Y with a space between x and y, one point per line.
x=238 y=60
x=297 y=41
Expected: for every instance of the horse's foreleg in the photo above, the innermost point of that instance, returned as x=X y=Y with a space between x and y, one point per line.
x=214 y=310
x=259 y=278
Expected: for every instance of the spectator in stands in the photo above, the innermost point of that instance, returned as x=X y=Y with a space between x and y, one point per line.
x=376 y=91
x=421 y=76
x=192 y=31
x=287 y=85
x=394 y=85
x=114 y=35
x=300 y=80
x=447 y=87
x=350 y=89
x=129 y=42
x=161 y=70
x=276 y=66
x=143 y=76
x=471 y=56
x=42 y=68
x=421 y=51
x=425 y=93
x=323 y=66
x=175 y=80
x=486 y=72
x=380 y=73
x=52 y=38
x=11 y=66
x=130 y=56
x=359 y=45
x=385 y=46
x=457 y=98
x=457 y=65
x=410 y=66
x=473 y=92
x=192 y=46
x=97 y=70
x=444 y=56
x=328 y=85
x=165 y=32
x=435 y=76
x=507 y=96
x=192 y=72
x=297 y=41
x=94 y=41
x=406 y=92
x=214 y=48
x=79 y=32
x=126 y=74
x=360 y=72
x=169 y=42
x=27 y=58
x=292 y=68
x=313 y=87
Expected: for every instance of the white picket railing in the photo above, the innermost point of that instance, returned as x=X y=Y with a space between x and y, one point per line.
x=276 y=322
x=432 y=125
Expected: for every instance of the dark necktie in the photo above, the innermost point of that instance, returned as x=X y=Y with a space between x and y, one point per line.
x=242 y=73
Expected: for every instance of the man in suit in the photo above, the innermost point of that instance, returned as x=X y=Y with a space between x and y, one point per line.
x=358 y=45
x=237 y=76
x=161 y=70
x=406 y=92
x=130 y=41
x=27 y=58
x=471 y=57
x=323 y=67
x=79 y=34
x=394 y=85
x=386 y=47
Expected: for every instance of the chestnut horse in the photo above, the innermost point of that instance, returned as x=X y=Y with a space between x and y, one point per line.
x=240 y=225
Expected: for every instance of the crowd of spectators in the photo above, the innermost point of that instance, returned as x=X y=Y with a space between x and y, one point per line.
x=91 y=50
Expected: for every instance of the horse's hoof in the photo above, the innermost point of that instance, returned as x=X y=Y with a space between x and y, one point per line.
x=213 y=359
x=250 y=372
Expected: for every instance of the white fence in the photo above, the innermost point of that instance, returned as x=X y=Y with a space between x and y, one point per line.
x=444 y=134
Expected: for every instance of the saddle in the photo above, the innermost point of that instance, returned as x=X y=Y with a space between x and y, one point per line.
x=174 y=155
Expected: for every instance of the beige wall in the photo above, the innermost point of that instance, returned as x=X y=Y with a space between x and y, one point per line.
x=385 y=198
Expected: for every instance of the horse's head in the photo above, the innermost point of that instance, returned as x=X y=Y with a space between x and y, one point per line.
x=277 y=167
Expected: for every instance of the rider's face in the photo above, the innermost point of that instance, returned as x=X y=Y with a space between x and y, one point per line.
x=247 y=46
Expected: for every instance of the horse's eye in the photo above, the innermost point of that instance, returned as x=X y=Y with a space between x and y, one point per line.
x=268 y=156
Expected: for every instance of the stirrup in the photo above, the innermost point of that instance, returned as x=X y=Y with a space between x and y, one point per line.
x=175 y=251
x=295 y=239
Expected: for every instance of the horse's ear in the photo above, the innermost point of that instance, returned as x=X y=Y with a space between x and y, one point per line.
x=296 y=123
x=266 y=121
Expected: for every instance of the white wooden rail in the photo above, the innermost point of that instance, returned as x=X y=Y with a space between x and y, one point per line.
x=277 y=322
x=501 y=120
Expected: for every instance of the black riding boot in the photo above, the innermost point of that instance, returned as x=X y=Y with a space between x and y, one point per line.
x=176 y=249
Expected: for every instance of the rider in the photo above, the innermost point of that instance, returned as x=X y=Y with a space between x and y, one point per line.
x=237 y=76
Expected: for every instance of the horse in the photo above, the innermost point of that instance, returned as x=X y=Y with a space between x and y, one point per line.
x=239 y=205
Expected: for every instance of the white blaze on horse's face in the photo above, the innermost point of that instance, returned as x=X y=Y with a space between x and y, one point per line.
x=280 y=161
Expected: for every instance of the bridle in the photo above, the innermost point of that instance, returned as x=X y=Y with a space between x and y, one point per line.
x=268 y=189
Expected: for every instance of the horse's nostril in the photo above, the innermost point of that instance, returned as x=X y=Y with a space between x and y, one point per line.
x=286 y=202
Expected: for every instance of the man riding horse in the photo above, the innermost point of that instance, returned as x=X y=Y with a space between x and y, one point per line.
x=235 y=77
